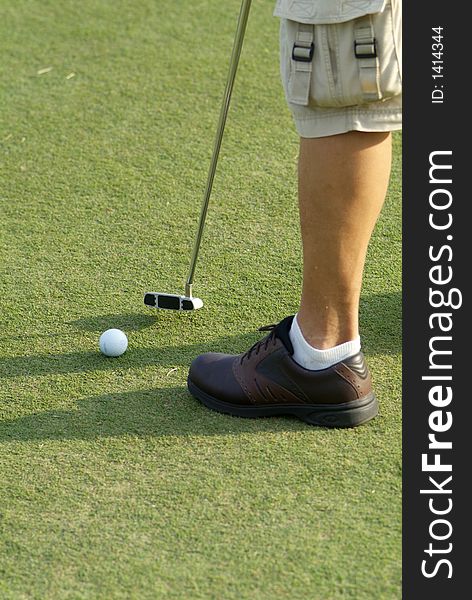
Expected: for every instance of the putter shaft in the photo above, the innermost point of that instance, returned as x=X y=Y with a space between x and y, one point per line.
x=236 y=53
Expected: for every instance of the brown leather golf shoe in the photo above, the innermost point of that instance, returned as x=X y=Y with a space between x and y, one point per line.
x=265 y=381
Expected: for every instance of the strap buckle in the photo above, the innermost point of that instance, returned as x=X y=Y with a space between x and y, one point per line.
x=303 y=53
x=366 y=48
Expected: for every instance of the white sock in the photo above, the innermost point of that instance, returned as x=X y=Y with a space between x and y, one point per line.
x=313 y=359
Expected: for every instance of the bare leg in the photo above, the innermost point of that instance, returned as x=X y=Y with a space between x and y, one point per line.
x=342 y=185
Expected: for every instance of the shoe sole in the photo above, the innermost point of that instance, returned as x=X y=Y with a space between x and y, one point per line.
x=349 y=414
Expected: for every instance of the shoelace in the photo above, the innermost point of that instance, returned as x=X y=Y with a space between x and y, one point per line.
x=254 y=349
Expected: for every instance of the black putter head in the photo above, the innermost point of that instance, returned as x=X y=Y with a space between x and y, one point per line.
x=171 y=301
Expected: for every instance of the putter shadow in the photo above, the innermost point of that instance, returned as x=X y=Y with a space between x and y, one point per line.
x=148 y=413
x=99 y=323
x=126 y=322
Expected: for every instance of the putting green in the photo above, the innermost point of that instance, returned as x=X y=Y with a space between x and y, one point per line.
x=114 y=482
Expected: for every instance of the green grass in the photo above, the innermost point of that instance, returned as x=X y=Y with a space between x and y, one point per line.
x=114 y=482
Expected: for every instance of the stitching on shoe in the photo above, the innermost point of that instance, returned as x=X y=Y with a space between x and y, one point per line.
x=241 y=381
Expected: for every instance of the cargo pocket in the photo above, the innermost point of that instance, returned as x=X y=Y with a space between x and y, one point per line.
x=331 y=62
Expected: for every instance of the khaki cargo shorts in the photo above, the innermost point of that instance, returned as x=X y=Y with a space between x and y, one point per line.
x=340 y=62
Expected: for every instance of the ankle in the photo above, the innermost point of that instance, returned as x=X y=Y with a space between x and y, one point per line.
x=326 y=334
x=313 y=358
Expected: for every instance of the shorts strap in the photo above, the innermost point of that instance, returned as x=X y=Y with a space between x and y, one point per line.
x=365 y=50
x=302 y=55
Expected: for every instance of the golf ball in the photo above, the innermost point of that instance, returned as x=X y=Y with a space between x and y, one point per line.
x=113 y=342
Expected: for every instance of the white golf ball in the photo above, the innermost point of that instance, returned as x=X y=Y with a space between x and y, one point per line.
x=113 y=342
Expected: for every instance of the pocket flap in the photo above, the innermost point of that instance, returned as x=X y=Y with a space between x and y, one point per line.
x=320 y=12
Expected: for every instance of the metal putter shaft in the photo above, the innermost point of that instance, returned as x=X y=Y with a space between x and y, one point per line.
x=188 y=302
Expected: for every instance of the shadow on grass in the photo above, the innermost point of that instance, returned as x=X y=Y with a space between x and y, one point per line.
x=126 y=322
x=166 y=411
x=154 y=413
x=100 y=323
x=381 y=323
x=381 y=334
x=135 y=358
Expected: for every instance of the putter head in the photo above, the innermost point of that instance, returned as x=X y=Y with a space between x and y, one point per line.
x=171 y=301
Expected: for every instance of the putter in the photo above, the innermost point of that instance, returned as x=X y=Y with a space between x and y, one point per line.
x=188 y=301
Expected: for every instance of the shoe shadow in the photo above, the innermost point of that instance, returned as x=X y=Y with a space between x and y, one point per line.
x=146 y=413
